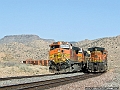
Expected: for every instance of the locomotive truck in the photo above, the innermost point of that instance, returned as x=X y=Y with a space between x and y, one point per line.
x=64 y=57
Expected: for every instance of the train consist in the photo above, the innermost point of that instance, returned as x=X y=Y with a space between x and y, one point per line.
x=64 y=57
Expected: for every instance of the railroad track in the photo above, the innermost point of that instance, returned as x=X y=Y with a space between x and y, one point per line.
x=41 y=85
x=21 y=77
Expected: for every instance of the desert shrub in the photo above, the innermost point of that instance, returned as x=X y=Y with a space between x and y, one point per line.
x=2 y=65
x=24 y=68
x=8 y=64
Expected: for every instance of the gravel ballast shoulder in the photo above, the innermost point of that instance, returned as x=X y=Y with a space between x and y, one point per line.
x=92 y=82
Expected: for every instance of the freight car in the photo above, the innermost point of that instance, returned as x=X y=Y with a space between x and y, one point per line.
x=64 y=57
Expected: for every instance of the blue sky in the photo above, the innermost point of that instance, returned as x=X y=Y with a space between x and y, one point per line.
x=67 y=20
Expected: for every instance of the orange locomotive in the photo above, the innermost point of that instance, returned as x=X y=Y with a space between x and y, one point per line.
x=98 y=60
x=65 y=58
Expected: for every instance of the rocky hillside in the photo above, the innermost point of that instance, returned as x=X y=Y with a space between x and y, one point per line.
x=112 y=44
x=22 y=47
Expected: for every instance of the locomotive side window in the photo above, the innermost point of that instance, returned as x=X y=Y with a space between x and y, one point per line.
x=80 y=51
x=54 y=46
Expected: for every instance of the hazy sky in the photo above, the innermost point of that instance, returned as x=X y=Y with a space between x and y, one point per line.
x=68 y=20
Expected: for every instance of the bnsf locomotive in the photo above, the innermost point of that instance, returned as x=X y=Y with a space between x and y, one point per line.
x=67 y=58
x=98 y=60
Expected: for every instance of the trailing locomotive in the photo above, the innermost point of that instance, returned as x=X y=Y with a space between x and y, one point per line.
x=67 y=58
x=98 y=60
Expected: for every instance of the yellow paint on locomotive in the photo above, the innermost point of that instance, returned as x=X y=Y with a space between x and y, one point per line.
x=59 y=57
x=59 y=54
x=80 y=57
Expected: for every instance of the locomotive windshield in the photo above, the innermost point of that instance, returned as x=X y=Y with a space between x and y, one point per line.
x=54 y=46
x=80 y=51
x=59 y=46
x=65 y=46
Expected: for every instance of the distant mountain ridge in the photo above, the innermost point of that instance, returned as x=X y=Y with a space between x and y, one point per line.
x=22 y=38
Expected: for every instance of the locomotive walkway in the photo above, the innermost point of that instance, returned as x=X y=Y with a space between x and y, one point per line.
x=46 y=84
